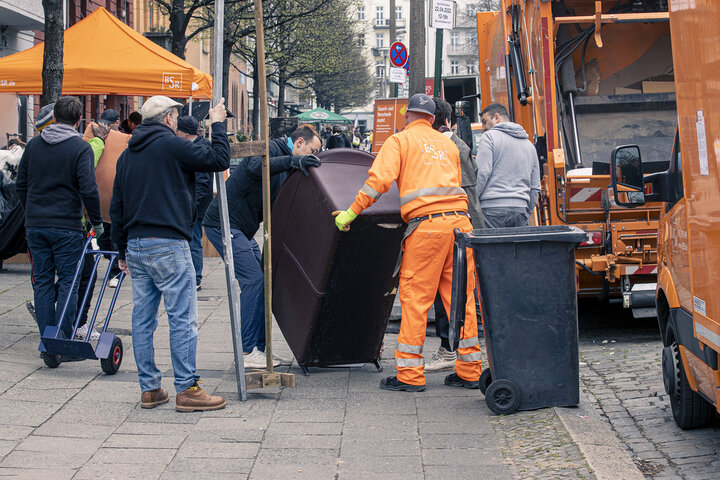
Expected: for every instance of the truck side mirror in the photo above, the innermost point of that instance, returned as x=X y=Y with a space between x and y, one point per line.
x=627 y=176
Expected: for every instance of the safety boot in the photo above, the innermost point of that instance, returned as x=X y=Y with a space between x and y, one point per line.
x=454 y=380
x=392 y=383
x=153 y=398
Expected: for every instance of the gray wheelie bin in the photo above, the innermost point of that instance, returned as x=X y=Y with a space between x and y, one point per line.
x=333 y=291
x=528 y=294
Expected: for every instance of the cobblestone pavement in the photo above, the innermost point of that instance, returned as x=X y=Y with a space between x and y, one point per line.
x=75 y=422
x=622 y=374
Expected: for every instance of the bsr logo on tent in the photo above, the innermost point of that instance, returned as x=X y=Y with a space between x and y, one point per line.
x=172 y=81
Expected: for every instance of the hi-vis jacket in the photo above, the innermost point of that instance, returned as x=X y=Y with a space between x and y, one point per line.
x=426 y=165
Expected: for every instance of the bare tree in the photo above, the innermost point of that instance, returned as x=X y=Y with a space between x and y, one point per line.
x=52 y=71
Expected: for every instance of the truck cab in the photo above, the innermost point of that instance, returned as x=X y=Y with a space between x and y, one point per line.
x=689 y=227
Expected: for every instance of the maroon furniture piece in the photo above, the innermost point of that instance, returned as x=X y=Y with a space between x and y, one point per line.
x=333 y=291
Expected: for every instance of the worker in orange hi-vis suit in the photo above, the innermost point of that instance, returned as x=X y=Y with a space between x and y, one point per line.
x=426 y=166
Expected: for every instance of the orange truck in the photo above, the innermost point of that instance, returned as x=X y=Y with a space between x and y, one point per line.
x=689 y=235
x=584 y=77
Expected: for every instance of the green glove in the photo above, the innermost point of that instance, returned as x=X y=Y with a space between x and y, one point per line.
x=343 y=219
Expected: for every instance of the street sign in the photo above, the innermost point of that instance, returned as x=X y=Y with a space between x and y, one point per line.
x=442 y=14
x=397 y=75
x=398 y=54
x=407 y=68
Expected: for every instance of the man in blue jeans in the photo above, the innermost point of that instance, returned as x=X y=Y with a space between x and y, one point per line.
x=244 y=194
x=56 y=178
x=153 y=213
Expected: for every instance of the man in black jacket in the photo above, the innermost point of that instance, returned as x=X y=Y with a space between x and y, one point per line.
x=56 y=178
x=338 y=139
x=153 y=214
x=188 y=129
x=244 y=193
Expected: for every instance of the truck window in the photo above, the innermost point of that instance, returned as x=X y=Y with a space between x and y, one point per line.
x=675 y=177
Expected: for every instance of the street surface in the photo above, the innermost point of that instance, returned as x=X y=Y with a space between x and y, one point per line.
x=76 y=422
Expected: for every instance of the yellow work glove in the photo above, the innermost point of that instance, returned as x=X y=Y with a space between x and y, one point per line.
x=343 y=219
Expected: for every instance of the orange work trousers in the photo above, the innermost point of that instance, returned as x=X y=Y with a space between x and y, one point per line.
x=426 y=269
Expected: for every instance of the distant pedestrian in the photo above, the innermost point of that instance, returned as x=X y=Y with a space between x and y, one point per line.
x=56 y=179
x=326 y=133
x=338 y=139
x=153 y=214
x=188 y=129
x=508 y=182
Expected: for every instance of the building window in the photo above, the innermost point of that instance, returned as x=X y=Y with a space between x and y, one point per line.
x=379 y=16
x=380 y=70
x=470 y=11
x=470 y=69
x=379 y=40
x=454 y=68
x=454 y=38
x=398 y=13
x=361 y=39
x=361 y=13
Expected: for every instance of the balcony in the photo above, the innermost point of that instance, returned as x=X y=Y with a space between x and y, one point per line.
x=380 y=51
x=385 y=24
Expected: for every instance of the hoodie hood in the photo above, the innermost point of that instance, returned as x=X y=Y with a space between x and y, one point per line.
x=512 y=129
x=146 y=133
x=283 y=143
x=58 y=132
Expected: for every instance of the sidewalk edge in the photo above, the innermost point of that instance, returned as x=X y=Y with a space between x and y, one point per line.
x=606 y=455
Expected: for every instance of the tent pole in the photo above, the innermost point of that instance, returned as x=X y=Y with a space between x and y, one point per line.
x=190 y=105
x=263 y=136
x=224 y=217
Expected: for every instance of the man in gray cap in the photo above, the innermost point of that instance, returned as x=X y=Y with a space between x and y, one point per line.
x=425 y=164
x=111 y=118
x=153 y=213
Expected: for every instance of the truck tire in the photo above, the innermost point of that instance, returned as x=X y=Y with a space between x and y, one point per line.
x=689 y=409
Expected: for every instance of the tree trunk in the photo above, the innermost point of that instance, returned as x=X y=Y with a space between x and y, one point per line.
x=177 y=28
x=282 y=82
x=227 y=53
x=52 y=71
x=256 y=100
x=417 y=47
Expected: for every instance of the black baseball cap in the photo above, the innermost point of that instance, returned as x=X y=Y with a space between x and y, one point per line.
x=421 y=103
x=109 y=116
x=188 y=124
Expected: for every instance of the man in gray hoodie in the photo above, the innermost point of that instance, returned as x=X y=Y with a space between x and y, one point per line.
x=508 y=179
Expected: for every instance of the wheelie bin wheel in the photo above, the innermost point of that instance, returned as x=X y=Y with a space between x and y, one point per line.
x=502 y=397
x=485 y=380
x=51 y=361
x=111 y=364
x=689 y=409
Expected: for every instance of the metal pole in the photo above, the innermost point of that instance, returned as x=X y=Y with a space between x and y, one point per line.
x=438 y=62
x=224 y=217
x=263 y=135
x=393 y=39
x=416 y=55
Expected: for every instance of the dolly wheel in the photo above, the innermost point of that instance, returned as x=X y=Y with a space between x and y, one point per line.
x=502 y=397
x=51 y=361
x=485 y=380
x=111 y=364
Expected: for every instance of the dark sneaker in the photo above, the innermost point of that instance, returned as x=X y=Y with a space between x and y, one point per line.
x=31 y=309
x=454 y=380
x=196 y=399
x=198 y=287
x=392 y=383
x=153 y=398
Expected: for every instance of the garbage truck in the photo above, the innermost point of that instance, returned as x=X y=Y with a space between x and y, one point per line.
x=689 y=233
x=583 y=77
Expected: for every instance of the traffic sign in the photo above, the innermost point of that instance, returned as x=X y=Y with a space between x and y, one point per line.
x=407 y=68
x=398 y=54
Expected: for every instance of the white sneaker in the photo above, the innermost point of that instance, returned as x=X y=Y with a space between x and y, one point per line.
x=441 y=360
x=257 y=359
x=82 y=332
x=113 y=283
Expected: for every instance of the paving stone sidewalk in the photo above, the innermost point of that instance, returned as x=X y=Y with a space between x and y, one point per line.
x=76 y=422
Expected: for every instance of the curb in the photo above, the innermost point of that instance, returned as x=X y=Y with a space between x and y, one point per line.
x=606 y=456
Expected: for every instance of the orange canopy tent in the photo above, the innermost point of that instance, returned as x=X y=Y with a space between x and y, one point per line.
x=103 y=56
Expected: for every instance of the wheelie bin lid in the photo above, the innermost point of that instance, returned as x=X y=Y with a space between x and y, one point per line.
x=548 y=233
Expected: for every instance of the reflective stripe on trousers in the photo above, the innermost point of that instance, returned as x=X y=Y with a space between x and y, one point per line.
x=426 y=269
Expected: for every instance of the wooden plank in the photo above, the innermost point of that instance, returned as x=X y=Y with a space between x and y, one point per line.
x=264 y=379
x=616 y=18
x=247 y=149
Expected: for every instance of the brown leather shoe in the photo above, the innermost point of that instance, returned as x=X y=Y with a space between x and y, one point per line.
x=153 y=398
x=196 y=399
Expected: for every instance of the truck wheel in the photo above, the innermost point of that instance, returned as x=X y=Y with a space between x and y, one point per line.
x=689 y=409
x=111 y=364
x=502 y=397
x=485 y=380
